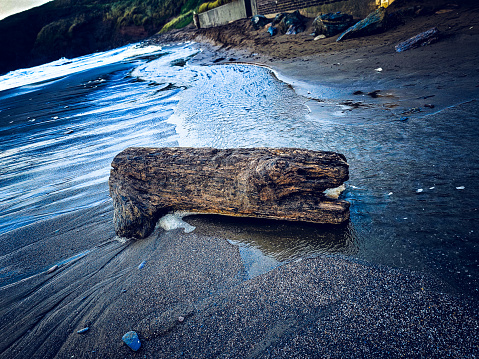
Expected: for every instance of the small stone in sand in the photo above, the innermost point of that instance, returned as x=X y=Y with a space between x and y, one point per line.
x=52 y=269
x=131 y=339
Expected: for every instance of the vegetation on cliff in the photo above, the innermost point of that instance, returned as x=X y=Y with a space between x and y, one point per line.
x=69 y=28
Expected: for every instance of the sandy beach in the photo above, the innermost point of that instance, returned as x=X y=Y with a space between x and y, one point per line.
x=199 y=295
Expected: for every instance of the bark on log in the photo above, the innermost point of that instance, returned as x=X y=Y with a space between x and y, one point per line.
x=284 y=183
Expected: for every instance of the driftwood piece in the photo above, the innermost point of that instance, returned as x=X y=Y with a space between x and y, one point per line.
x=284 y=183
x=422 y=39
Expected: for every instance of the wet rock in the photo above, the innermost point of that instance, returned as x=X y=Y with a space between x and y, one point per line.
x=424 y=38
x=259 y=21
x=374 y=94
x=331 y=24
x=131 y=339
x=293 y=23
x=374 y=23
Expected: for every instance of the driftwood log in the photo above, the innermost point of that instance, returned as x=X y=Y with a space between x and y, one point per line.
x=424 y=38
x=284 y=183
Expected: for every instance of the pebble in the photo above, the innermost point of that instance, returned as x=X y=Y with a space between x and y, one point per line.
x=180 y=319
x=52 y=269
x=83 y=330
x=131 y=339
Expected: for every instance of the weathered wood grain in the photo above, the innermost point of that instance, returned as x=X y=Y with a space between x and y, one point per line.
x=279 y=183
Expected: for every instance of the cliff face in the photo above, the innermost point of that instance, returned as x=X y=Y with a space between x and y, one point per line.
x=70 y=28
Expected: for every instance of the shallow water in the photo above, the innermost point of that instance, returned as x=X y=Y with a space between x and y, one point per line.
x=61 y=124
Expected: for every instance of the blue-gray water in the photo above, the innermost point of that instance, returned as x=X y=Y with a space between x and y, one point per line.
x=412 y=183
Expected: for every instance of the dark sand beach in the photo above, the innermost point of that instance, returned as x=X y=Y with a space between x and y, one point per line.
x=199 y=295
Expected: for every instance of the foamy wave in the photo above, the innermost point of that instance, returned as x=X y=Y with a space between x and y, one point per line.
x=64 y=67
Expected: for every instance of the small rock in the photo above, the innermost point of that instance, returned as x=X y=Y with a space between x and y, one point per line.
x=319 y=37
x=404 y=119
x=460 y=187
x=181 y=319
x=419 y=190
x=374 y=94
x=428 y=105
x=69 y=132
x=131 y=339
x=358 y=92
x=84 y=330
x=52 y=269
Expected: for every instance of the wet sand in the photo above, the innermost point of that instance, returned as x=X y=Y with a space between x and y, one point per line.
x=188 y=295
x=191 y=295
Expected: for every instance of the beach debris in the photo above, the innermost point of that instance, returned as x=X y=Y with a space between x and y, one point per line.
x=277 y=19
x=259 y=21
x=461 y=187
x=319 y=37
x=131 y=339
x=419 y=190
x=432 y=187
x=411 y=111
x=69 y=132
x=172 y=221
x=84 y=330
x=379 y=69
x=52 y=269
x=424 y=38
x=272 y=30
x=181 y=319
x=142 y=264
x=428 y=105
x=293 y=30
x=331 y=24
x=291 y=23
x=334 y=193
x=374 y=23
x=275 y=183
